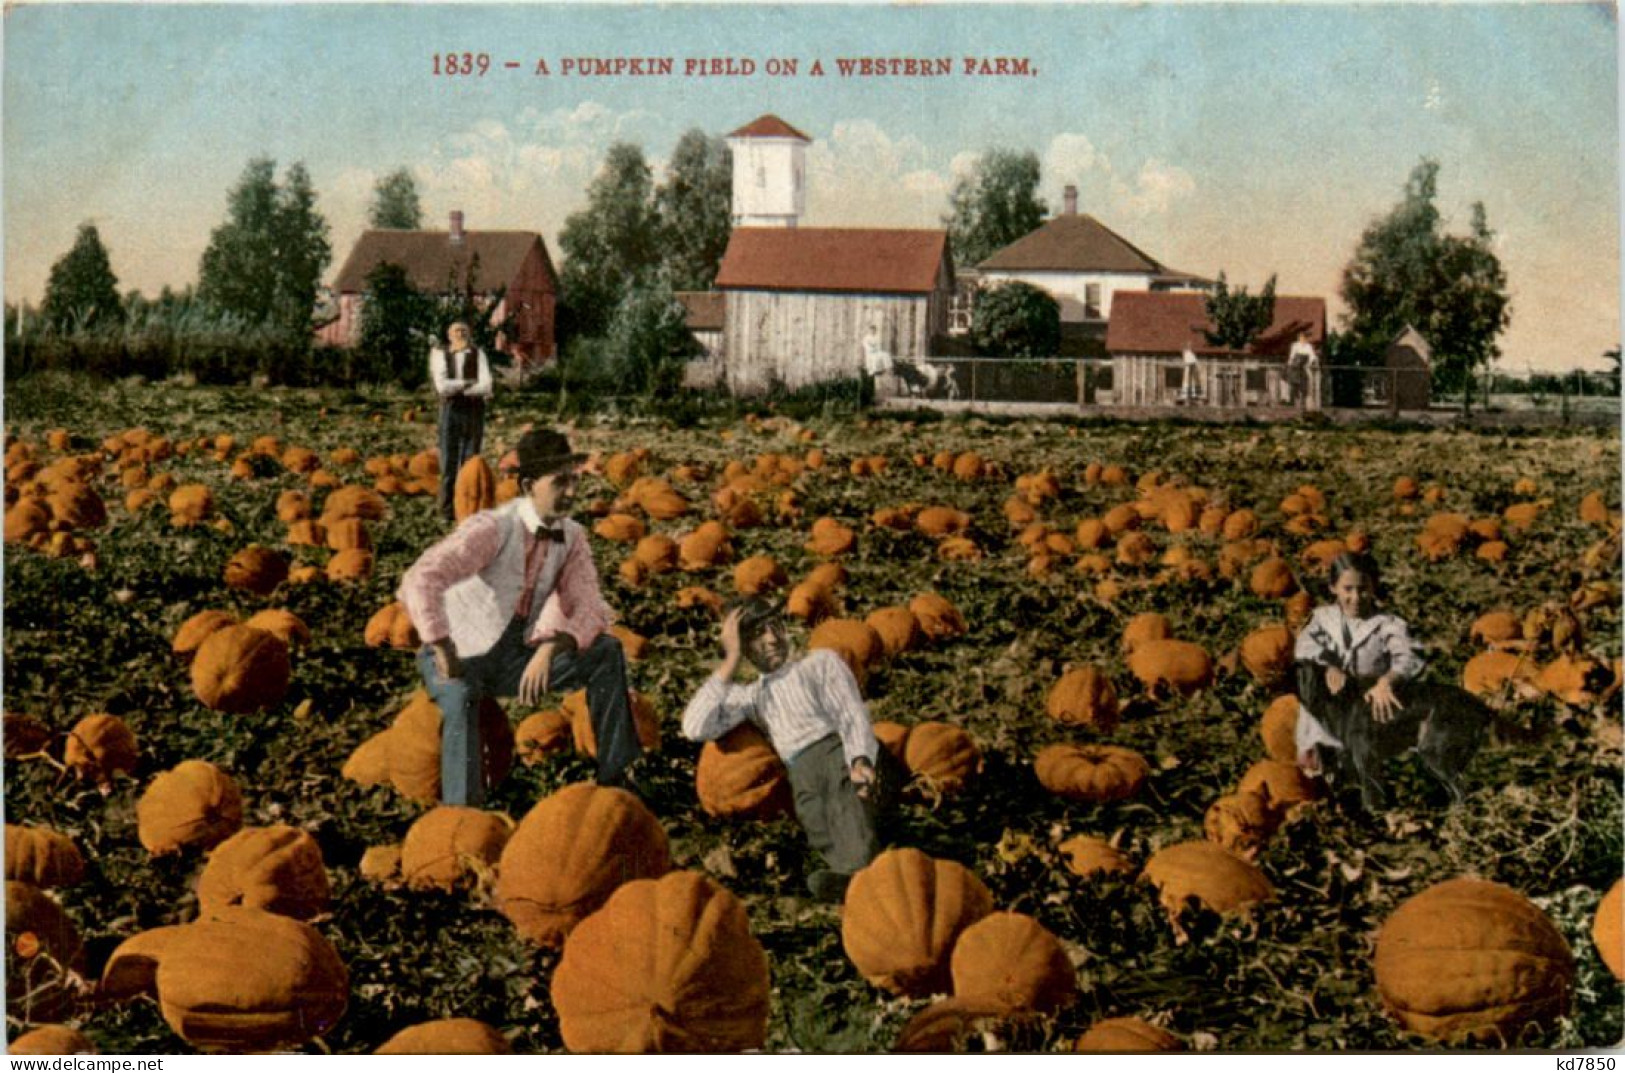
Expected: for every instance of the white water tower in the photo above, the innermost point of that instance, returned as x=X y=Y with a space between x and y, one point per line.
x=770 y=173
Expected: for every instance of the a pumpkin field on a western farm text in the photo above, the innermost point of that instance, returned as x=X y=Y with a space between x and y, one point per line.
x=222 y=774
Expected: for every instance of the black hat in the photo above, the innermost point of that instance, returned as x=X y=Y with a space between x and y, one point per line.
x=543 y=451
x=755 y=614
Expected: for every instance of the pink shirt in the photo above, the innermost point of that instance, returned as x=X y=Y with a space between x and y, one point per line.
x=573 y=604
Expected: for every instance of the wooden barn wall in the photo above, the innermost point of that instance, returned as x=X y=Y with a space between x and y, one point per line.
x=801 y=338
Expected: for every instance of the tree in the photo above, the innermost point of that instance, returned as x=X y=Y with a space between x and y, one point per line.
x=695 y=206
x=395 y=324
x=1612 y=355
x=649 y=340
x=995 y=204
x=612 y=245
x=1238 y=317
x=395 y=204
x=82 y=291
x=1408 y=271
x=1015 y=320
x=265 y=262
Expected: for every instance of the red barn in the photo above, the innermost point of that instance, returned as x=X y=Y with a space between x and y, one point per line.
x=514 y=261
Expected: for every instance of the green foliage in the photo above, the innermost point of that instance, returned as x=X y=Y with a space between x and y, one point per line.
x=395 y=205
x=1238 y=317
x=994 y=204
x=82 y=292
x=264 y=263
x=650 y=341
x=694 y=206
x=1015 y=320
x=1408 y=271
x=395 y=325
x=610 y=246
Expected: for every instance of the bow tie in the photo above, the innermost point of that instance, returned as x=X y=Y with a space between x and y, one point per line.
x=546 y=532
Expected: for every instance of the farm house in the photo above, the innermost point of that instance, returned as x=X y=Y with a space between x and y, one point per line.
x=1149 y=332
x=516 y=262
x=799 y=301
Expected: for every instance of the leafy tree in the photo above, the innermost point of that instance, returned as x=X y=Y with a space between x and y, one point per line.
x=650 y=340
x=610 y=246
x=265 y=262
x=1238 y=317
x=395 y=322
x=395 y=205
x=994 y=205
x=82 y=291
x=1451 y=288
x=462 y=300
x=1015 y=320
x=695 y=206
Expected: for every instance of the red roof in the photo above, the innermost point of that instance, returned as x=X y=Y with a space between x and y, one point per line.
x=430 y=259
x=768 y=126
x=835 y=259
x=1157 y=322
x=1074 y=243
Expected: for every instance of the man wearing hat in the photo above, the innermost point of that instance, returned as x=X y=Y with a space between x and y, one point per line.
x=812 y=713
x=509 y=605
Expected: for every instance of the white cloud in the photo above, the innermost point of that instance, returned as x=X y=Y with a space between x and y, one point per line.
x=1071 y=158
x=860 y=176
x=1154 y=190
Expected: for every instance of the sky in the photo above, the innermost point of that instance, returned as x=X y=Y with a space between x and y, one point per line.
x=1248 y=138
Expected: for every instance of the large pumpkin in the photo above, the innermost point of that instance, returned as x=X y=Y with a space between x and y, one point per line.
x=1279 y=728
x=541 y=735
x=412 y=753
x=1267 y=654
x=902 y=915
x=37 y=988
x=257 y=570
x=1013 y=963
x=942 y=755
x=42 y=857
x=1084 y=697
x=100 y=746
x=278 y=869
x=194 y=804
x=1468 y=959
x=1088 y=856
x=242 y=980
x=1126 y=1034
x=857 y=643
x=1608 y=929
x=1242 y=823
x=475 y=489
x=707 y=546
x=446 y=845
x=456 y=1035
x=240 y=669
x=197 y=629
x=1181 y=666
x=939 y=620
x=569 y=854
x=645 y=721
x=51 y=1039
x=739 y=776
x=896 y=627
x=1280 y=783
x=1207 y=874
x=1146 y=626
x=759 y=574
x=666 y=966
x=1098 y=773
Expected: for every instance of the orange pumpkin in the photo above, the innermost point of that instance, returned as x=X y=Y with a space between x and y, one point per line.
x=1267 y=654
x=1208 y=874
x=1098 y=773
x=1279 y=728
x=455 y=1035
x=1182 y=666
x=445 y=846
x=1126 y=1035
x=1013 y=963
x=278 y=869
x=240 y=669
x=475 y=488
x=195 y=630
x=944 y=756
x=739 y=776
x=1088 y=856
x=194 y=804
x=1608 y=929
x=1242 y=823
x=100 y=746
x=257 y=570
x=830 y=538
x=1084 y=697
x=902 y=915
x=42 y=857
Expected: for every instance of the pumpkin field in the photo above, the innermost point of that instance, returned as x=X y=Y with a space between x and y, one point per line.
x=220 y=778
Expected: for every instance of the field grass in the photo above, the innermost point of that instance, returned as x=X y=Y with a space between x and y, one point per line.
x=1543 y=813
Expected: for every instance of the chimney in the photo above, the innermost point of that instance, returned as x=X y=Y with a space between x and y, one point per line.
x=1069 y=197
x=456 y=227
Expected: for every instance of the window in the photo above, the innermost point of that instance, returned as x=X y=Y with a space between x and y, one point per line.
x=1091 y=301
x=761 y=176
x=1173 y=376
x=1255 y=380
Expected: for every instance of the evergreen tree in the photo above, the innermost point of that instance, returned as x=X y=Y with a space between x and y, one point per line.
x=82 y=291
x=1408 y=271
x=1238 y=317
x=994 y=205
x=695 y=206
x=395 y=205
x=610 y=246
x=265 y=262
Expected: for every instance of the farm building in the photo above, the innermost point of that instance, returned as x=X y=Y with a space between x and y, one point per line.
x=1409 y=361
x=703 y=313
x=436 y=262
x=1083 y=264
x=798 y=302
x=769 y=173
x=1149 y=332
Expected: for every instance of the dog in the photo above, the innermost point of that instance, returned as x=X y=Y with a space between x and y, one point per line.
x=924 y=378
x=1443 y=723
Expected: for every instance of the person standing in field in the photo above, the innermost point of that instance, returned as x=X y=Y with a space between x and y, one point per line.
x=1303 y=372
x=461 y=375
x=509 y=605
x=812 y=713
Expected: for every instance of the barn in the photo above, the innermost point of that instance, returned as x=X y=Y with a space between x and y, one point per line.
x=799 y=301
x=436 y=262
x=1149 y=332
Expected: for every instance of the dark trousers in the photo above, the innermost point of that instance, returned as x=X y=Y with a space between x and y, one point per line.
x=839 y=824
x=462 y=433
x=600 y=669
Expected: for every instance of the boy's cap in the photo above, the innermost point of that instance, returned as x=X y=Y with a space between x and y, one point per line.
x=756 y=613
